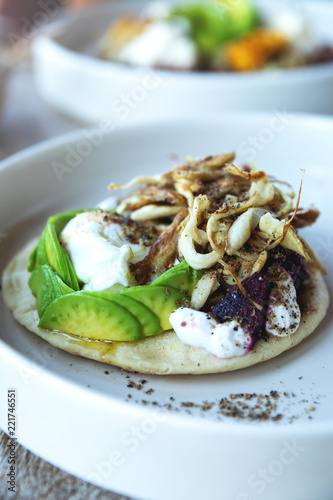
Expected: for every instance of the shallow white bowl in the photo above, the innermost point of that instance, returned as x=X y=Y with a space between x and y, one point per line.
x=69 y=77
x=76 y=416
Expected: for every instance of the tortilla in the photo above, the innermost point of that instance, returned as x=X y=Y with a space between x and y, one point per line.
x=163 y=354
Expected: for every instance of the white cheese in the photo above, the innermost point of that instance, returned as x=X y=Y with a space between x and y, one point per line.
x=199 y=329
x=161 y=44
x=99 y=253
x=289 y=21
x=283 y=313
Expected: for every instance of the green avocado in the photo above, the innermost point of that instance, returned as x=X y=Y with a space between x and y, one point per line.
x=46 y=285
x=50 y=252
x=160 y=299
x=181 y=276
x=38 y=256
x=91 y=317
x=129 y=315
x=213 y=23
x=149 y=320
x=58 y=258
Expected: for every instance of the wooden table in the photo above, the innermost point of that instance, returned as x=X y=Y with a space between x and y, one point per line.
x=25 y=120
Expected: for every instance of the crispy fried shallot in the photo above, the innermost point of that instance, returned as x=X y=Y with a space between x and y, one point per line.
x=305 y=217
x=221 y=218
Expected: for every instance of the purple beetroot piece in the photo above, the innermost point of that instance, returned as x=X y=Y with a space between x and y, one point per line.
x=291 y=262
x=234 y=305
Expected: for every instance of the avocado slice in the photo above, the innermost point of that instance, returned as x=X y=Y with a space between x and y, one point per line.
x=213 y=23
x=50 y=252
x=33 y=260
x=95 y=315
x=181 y=276
x=38 y=256
x=46 y=285
x=148 y=319
x=128 y=315
x=58 y=258
x=91 y=317
x=160 y=299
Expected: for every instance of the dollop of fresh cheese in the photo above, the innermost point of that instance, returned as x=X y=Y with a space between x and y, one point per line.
x=199 y=329
x=99 y=252
x=283 y=313
x=161 y=44
x=289 y=21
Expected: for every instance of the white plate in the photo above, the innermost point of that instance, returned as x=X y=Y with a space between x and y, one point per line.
x=93 y=424
x=70 y=78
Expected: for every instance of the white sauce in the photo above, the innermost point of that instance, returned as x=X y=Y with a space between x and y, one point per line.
x=283 y=314
x=98 y=252
x=161 y=44
x=199 y=329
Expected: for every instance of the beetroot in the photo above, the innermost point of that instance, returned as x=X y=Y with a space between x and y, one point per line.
x=291 y=262
x=234 y=305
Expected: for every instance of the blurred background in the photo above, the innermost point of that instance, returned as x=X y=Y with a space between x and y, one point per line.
x=25 y=118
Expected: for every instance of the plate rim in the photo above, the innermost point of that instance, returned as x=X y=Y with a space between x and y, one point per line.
x=301 y=118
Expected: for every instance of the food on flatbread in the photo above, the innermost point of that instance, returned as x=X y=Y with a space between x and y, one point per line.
x=215 y=35
x=199 y=270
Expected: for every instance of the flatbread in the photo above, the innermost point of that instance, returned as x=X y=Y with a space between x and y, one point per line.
x=163 y=354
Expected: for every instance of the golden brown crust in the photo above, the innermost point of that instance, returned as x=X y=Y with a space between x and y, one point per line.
x=163 y=354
